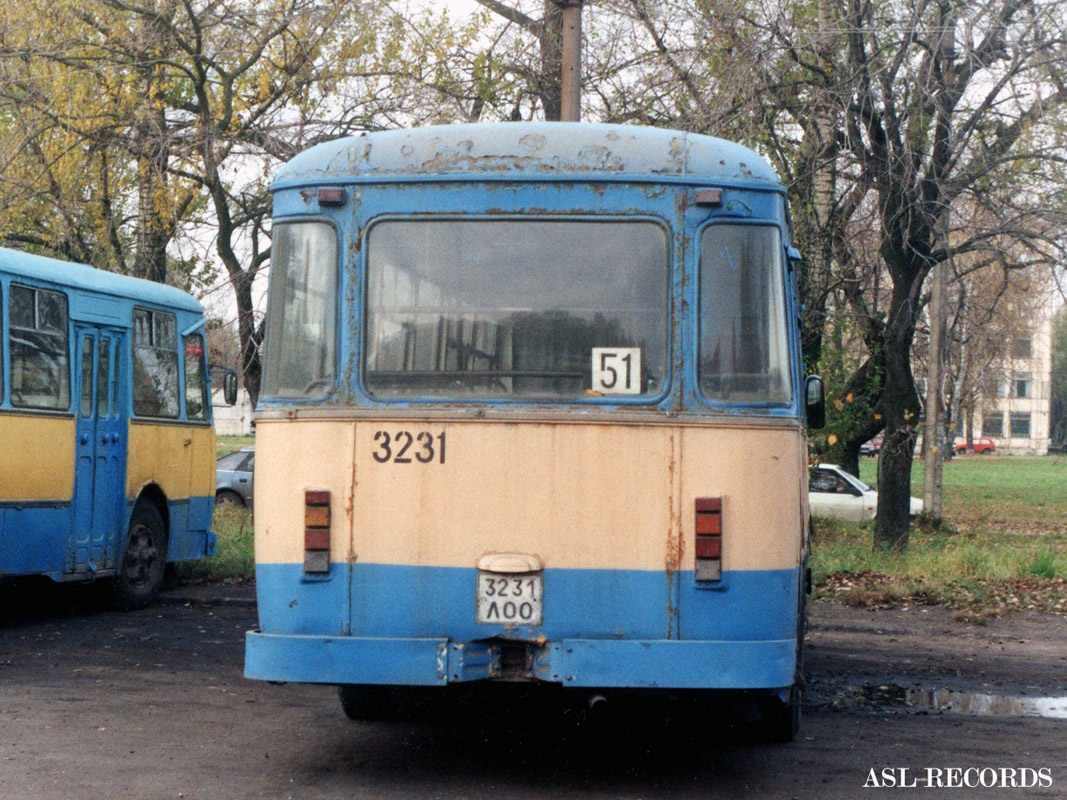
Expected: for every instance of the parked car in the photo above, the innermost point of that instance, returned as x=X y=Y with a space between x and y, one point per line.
x=871 y=447
x=981 y=445
x=832 y=492
x=233 y=478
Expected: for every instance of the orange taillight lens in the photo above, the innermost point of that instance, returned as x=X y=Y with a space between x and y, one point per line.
x=708 y=539
x=316 y=531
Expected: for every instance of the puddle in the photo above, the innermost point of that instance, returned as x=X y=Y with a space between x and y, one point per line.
x=986 y=705
x=949 y=701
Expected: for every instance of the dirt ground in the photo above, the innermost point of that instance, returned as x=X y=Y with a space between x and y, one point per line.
x=151 y=704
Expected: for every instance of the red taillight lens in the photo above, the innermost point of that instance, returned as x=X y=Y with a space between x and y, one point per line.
x=316 y=531
x=708 y=539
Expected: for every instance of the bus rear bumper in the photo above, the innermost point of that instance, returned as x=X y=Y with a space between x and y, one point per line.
x=765 y=664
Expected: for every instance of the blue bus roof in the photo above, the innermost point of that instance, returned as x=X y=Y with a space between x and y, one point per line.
x=81 y=276
x=528 y=151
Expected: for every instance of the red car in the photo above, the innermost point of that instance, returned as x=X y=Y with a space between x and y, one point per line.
x=982 y=445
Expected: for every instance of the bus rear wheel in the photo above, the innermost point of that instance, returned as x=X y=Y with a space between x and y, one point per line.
x=144 y=558
x=375 y=702
x=367 y=702
x=781 y=718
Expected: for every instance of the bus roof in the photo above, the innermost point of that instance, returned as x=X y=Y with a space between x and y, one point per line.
x=81 y=276
x=529 y=151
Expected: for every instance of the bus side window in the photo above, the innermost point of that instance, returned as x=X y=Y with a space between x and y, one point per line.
x=40 y=349
x=88 y=344
x=195 y=374
x=155 y=363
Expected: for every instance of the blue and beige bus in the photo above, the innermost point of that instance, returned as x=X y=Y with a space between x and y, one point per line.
x=532 y=412
x=107 y=450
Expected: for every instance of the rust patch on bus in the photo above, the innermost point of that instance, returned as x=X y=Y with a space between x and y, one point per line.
x=673 y=556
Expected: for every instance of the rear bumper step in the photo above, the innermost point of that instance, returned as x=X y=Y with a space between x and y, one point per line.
x=661 y=663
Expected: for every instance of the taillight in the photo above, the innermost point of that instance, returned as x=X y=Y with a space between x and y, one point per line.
x=316 y=531
x=708 y=539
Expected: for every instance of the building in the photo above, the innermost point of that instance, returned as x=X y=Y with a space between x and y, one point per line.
x=235 y=420
x=1017 y=415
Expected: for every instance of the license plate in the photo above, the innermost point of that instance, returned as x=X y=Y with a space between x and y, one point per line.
x=509 y=599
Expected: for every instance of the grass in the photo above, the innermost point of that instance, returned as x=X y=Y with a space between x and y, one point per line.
x=1004 y=544
x=1014 y=492
x=233 y=561
x=228 y=444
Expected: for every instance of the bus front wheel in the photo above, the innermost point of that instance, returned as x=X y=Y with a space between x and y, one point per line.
x=144 y=558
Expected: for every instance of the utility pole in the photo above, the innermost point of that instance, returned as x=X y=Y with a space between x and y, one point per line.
x=571 y=57
x=933 y=429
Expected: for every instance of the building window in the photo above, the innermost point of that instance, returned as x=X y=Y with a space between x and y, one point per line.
x=1021 y=348
x=1020 y=384
x=993 y=424
x=1020 y=424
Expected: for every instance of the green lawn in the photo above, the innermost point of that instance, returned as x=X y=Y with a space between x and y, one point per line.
x=228 y=444
x=1023 y=493
x=1003 y=544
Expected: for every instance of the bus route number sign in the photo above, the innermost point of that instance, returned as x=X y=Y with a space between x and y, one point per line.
x=509 y=599
x=617 y=370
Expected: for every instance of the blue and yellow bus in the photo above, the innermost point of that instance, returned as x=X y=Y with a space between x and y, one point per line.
x=107 y=450
x=532 y=412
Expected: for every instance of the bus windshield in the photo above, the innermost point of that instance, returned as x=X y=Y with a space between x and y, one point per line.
x=483 y=309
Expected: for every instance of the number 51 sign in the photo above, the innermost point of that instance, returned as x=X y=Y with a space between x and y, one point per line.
x=617 y=370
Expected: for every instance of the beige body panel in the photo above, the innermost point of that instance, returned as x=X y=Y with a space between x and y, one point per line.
x=577 y=495
x=36 y=458
x=178 y=458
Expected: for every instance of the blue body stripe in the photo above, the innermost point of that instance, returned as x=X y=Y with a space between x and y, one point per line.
x=36 y=538
x=600 y=627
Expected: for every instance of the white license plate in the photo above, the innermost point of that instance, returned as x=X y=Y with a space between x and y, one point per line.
x=509 y=599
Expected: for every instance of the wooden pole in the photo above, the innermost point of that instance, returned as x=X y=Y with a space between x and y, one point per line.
x=571 y=56
x=934 y=431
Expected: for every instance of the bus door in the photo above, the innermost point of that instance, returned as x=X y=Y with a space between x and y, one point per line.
x=100 y=433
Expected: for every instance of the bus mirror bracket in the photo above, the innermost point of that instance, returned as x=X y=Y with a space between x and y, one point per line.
x=815 y=402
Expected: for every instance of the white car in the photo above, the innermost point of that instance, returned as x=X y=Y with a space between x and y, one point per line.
x=832 y=492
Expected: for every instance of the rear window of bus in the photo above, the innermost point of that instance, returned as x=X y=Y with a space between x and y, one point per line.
x=744 y=346
x=524 y=308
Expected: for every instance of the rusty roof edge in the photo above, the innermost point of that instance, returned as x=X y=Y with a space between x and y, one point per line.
x=534 y=151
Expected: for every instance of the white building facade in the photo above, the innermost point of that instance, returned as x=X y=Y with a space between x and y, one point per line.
x=235 y=420
x=1018 y=417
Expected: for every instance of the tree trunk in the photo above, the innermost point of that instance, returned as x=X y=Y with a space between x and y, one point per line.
x=549 y=87
x=850 y=461
x=894 y=486
x=900 y=406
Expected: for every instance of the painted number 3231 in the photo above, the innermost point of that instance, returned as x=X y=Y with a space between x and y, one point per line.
x=405 y=447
